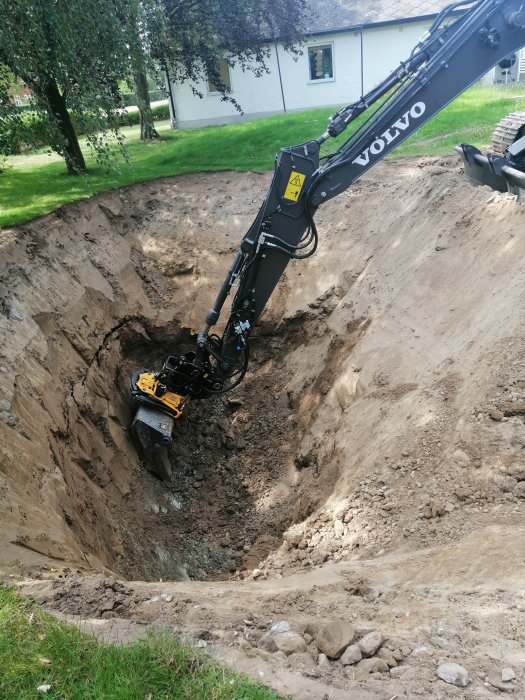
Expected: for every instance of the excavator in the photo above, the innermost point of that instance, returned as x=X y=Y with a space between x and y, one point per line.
x=465 y=40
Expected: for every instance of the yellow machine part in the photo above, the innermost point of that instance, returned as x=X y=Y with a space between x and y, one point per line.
x=148 y=385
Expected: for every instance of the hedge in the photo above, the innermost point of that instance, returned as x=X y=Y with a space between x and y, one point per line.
x=28 y=132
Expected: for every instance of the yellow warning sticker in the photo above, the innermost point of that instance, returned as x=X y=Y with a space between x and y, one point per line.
x=294 y=187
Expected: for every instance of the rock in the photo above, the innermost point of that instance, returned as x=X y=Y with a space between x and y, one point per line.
x=267 y=641
x=461 y=458
x=495 y=679
x=281 y=626
x=43 y=688
x=505 y=483
x=301 y=660
x=323 y=662
x=507 y=674
x=519 y=490
x=387 y=656
x=454 y=674
x=517 y=471
x=367 y=666
x=351 y=655
x=256 y=573
x=398 y=671
x=280 y=655
x=496 y=414
x=370 y=643
x=332 y=638
x=289 y=642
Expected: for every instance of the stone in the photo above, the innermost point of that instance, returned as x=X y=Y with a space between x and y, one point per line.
x=496 y=414
x=351 y=655
x=461 y=458
x=280 y=656
x=289 y=642
x=370 y=643
x=517 y=471
x=267 y=641
x=301 y=661
x=505 y=483
x=495 y=679
x=387 y=656
x=454 y=674
x=281 y=626
x=332 y=638
x=323 y=662
x=398 y=671
x=519 y=490
x=507 y=674
x=367 y=666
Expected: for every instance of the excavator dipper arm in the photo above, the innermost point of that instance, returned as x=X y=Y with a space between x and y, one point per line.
x=465 y=40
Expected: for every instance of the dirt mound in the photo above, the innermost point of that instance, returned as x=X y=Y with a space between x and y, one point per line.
x=380 y=429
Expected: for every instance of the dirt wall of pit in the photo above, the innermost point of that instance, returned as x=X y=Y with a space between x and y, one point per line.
x=384 y=409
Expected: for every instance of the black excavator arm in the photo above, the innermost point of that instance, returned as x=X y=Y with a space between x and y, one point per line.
x=465 y=40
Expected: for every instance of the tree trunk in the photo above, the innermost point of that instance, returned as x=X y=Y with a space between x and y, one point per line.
x=147 y=127
x=56 y=106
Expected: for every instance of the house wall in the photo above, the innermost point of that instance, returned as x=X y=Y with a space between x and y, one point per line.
x=383 y=49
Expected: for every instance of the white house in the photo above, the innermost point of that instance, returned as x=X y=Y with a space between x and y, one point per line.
x=350 y=47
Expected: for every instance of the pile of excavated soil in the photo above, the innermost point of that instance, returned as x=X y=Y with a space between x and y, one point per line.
x=370 y=468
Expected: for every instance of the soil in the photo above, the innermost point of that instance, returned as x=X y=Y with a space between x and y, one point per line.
x=370 y=468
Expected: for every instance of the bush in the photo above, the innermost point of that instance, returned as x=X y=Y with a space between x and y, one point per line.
x=21 y=131
x=129 y=99
x=131 y=118
x=25 y=130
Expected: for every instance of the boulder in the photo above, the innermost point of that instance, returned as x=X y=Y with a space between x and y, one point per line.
x=370 y=643
x=289 y=643
x=332 y=638
x=454 y=674
x=351 y=655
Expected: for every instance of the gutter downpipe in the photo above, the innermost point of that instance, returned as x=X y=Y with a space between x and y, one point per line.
x=279 y=71
x=173 y=115
x=362 y=66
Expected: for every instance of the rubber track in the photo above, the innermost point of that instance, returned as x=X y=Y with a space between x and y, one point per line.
x=507 y=130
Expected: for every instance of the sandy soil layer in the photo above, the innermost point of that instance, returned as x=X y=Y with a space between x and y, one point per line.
x=371 y=466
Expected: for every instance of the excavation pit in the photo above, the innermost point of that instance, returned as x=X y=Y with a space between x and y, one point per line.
x=371 y=461
x=102 y=289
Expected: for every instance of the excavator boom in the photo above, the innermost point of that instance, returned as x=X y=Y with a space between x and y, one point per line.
x=465 y=40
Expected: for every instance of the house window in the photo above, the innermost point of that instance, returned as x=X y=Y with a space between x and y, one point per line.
x=321 y=62
x=224 y=73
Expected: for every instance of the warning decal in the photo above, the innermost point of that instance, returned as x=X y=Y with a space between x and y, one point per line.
x=294 y=187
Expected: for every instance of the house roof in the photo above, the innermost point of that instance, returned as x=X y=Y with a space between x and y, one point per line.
x=333 y=15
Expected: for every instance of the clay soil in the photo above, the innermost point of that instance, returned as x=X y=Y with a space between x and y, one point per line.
x=370 y=468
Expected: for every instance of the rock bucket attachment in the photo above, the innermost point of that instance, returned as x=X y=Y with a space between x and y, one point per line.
x=492 y=170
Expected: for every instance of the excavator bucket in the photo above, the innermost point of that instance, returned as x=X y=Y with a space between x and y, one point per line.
x=152 y=431
x=504 y=169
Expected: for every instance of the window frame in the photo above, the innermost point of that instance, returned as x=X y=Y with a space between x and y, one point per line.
x=213 y=93
x=324 y=45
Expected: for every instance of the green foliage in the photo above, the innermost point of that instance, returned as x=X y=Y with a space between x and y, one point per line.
x=35 y=185
x=27 y=130
x=71 y=53
x=192 y=38
x=129 y=99
x=36 y=649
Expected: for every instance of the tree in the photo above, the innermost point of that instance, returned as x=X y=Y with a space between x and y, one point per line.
x=191 y=37
x=71 y=53
x=143 y=18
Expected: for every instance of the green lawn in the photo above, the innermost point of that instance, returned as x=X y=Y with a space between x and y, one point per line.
x=37 y=650
x=37 y=183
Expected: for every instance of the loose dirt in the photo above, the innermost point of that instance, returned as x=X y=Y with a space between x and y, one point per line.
x=370 y=468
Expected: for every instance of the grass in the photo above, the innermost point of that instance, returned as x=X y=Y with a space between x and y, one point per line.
x=36 y=183
x=38 y=650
